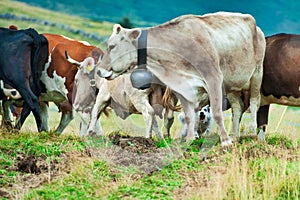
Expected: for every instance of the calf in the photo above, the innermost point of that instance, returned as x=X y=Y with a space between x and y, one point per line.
x=121 y=96
x=22 y=59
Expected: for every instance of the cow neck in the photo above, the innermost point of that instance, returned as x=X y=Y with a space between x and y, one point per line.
x=142 y=50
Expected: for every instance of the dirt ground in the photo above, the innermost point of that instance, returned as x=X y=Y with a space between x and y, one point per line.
x=137 y=153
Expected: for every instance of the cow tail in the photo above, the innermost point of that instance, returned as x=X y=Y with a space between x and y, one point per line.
x=170 y=100
x=35 y=56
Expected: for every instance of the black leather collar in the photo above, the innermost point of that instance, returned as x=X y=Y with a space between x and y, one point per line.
x=142 y=50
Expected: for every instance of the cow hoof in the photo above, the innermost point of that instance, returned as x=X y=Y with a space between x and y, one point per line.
x=261 y=136
x=226 y=143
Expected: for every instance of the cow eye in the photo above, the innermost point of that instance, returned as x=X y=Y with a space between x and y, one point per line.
x=110 y=47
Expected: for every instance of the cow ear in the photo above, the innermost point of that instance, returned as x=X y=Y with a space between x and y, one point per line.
x=134 y=34
x=117 y=28
x=88 y=64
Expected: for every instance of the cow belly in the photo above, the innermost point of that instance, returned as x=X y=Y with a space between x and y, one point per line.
x=56 y=90
x=288 y=101
x=54 y=96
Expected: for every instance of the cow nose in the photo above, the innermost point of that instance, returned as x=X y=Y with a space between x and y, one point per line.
x=202 y=115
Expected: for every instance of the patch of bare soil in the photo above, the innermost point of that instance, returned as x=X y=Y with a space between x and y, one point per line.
x=137 y=153
x=35 y=171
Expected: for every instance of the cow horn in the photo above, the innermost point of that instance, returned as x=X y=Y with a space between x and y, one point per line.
x=104 y=73
x=71 y=60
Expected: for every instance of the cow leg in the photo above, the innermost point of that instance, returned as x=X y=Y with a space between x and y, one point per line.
x=215 y=96
x=7 y=117
x=100 y=104
x=65 y=119
x=255 y=97
x=237 y=108
x=188 y=130
x=85 y=119
x=142 y=105
x=44 y=116
x=25 y=112
x=262 y=121
x=168 y=120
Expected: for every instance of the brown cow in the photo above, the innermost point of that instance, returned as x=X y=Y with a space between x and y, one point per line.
x=58 y=76
x=281 y=77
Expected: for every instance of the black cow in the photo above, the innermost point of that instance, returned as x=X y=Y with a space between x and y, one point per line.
x=22 y=58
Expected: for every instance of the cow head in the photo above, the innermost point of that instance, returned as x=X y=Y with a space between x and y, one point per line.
x=84 y=91
x=121 y=52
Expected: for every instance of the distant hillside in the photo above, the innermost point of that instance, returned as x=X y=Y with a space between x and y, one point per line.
x=46 y=21
x=272 y=16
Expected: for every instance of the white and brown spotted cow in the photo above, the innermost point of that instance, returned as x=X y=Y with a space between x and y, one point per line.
x=215 y=53
x=281 y=78
x=93 y=94
x=58 y=76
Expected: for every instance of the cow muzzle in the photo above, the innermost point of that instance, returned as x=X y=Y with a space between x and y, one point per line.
x=105 y=73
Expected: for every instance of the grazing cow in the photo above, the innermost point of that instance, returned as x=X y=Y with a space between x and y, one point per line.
x=121 y=97
x=22 y=58
x=58 y=75
x=281 y=78
x=199 y=58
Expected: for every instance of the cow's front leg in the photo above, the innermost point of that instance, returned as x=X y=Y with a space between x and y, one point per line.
x=85 y=120
x=140 y=101
x=100 y=104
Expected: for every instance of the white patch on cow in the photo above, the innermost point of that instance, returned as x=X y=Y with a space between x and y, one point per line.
x=83 y=42
x=10 y=93
x=55 y=87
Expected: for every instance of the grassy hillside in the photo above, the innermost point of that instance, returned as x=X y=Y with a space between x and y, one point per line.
x=74 y=22
x=272 y=16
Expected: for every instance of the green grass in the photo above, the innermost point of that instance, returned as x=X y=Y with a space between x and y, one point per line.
x=247 y=170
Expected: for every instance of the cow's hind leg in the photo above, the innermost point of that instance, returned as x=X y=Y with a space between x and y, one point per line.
x=65 y=119
x=168 y=120
x=255 y=97
x=215 y=96
x=25 y=112
x=44 y=116
x=262 y=121
x=237 y=108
